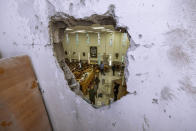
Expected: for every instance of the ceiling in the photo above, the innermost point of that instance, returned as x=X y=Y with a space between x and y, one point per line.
x=95 y=28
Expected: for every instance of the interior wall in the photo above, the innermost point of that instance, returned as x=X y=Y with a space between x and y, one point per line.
x=118 y=45
x=161 y=67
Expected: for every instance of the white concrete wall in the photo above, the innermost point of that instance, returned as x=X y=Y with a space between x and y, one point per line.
x=162 y=67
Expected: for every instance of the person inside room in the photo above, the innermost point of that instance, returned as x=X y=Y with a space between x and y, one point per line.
x=92 y=94
x=102 y=68
x=116 y=89
x=97 y=81
x=113 y=69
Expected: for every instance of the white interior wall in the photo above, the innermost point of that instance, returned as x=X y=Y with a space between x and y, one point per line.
x=118 y=46
x=162 y=67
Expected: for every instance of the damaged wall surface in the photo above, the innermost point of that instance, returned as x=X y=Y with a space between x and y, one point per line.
x=161 y=65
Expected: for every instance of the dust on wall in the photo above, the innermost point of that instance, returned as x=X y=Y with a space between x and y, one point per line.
x=165 y=98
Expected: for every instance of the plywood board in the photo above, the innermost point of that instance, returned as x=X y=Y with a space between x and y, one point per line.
x=21 y=103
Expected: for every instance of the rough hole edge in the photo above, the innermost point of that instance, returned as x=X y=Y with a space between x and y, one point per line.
x=66 y=21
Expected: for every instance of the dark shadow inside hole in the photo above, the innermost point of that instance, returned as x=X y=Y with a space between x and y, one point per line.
x=91 y=52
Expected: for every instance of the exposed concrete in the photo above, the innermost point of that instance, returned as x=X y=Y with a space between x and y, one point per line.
x=62 y=20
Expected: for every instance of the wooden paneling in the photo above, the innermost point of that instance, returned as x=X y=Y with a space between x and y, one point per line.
x=87 y=82
x=21 y=103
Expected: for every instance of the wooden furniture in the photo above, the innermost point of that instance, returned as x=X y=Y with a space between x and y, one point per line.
x=87 y=82
x=21 y=104
x=84 y=75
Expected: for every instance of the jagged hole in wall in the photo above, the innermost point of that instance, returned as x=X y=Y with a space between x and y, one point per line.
x=91 y=52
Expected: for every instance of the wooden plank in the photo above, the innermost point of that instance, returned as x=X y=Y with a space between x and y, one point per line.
x=21 y=103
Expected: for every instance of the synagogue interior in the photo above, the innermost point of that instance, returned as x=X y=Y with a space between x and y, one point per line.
x=95 y=56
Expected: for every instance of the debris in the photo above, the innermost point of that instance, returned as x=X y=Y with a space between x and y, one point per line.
x=166 y=93
x=148 y=45
x=140 y=36
x=138 y=74
x=135 y=93
x=114 y=124
x=155 y=101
